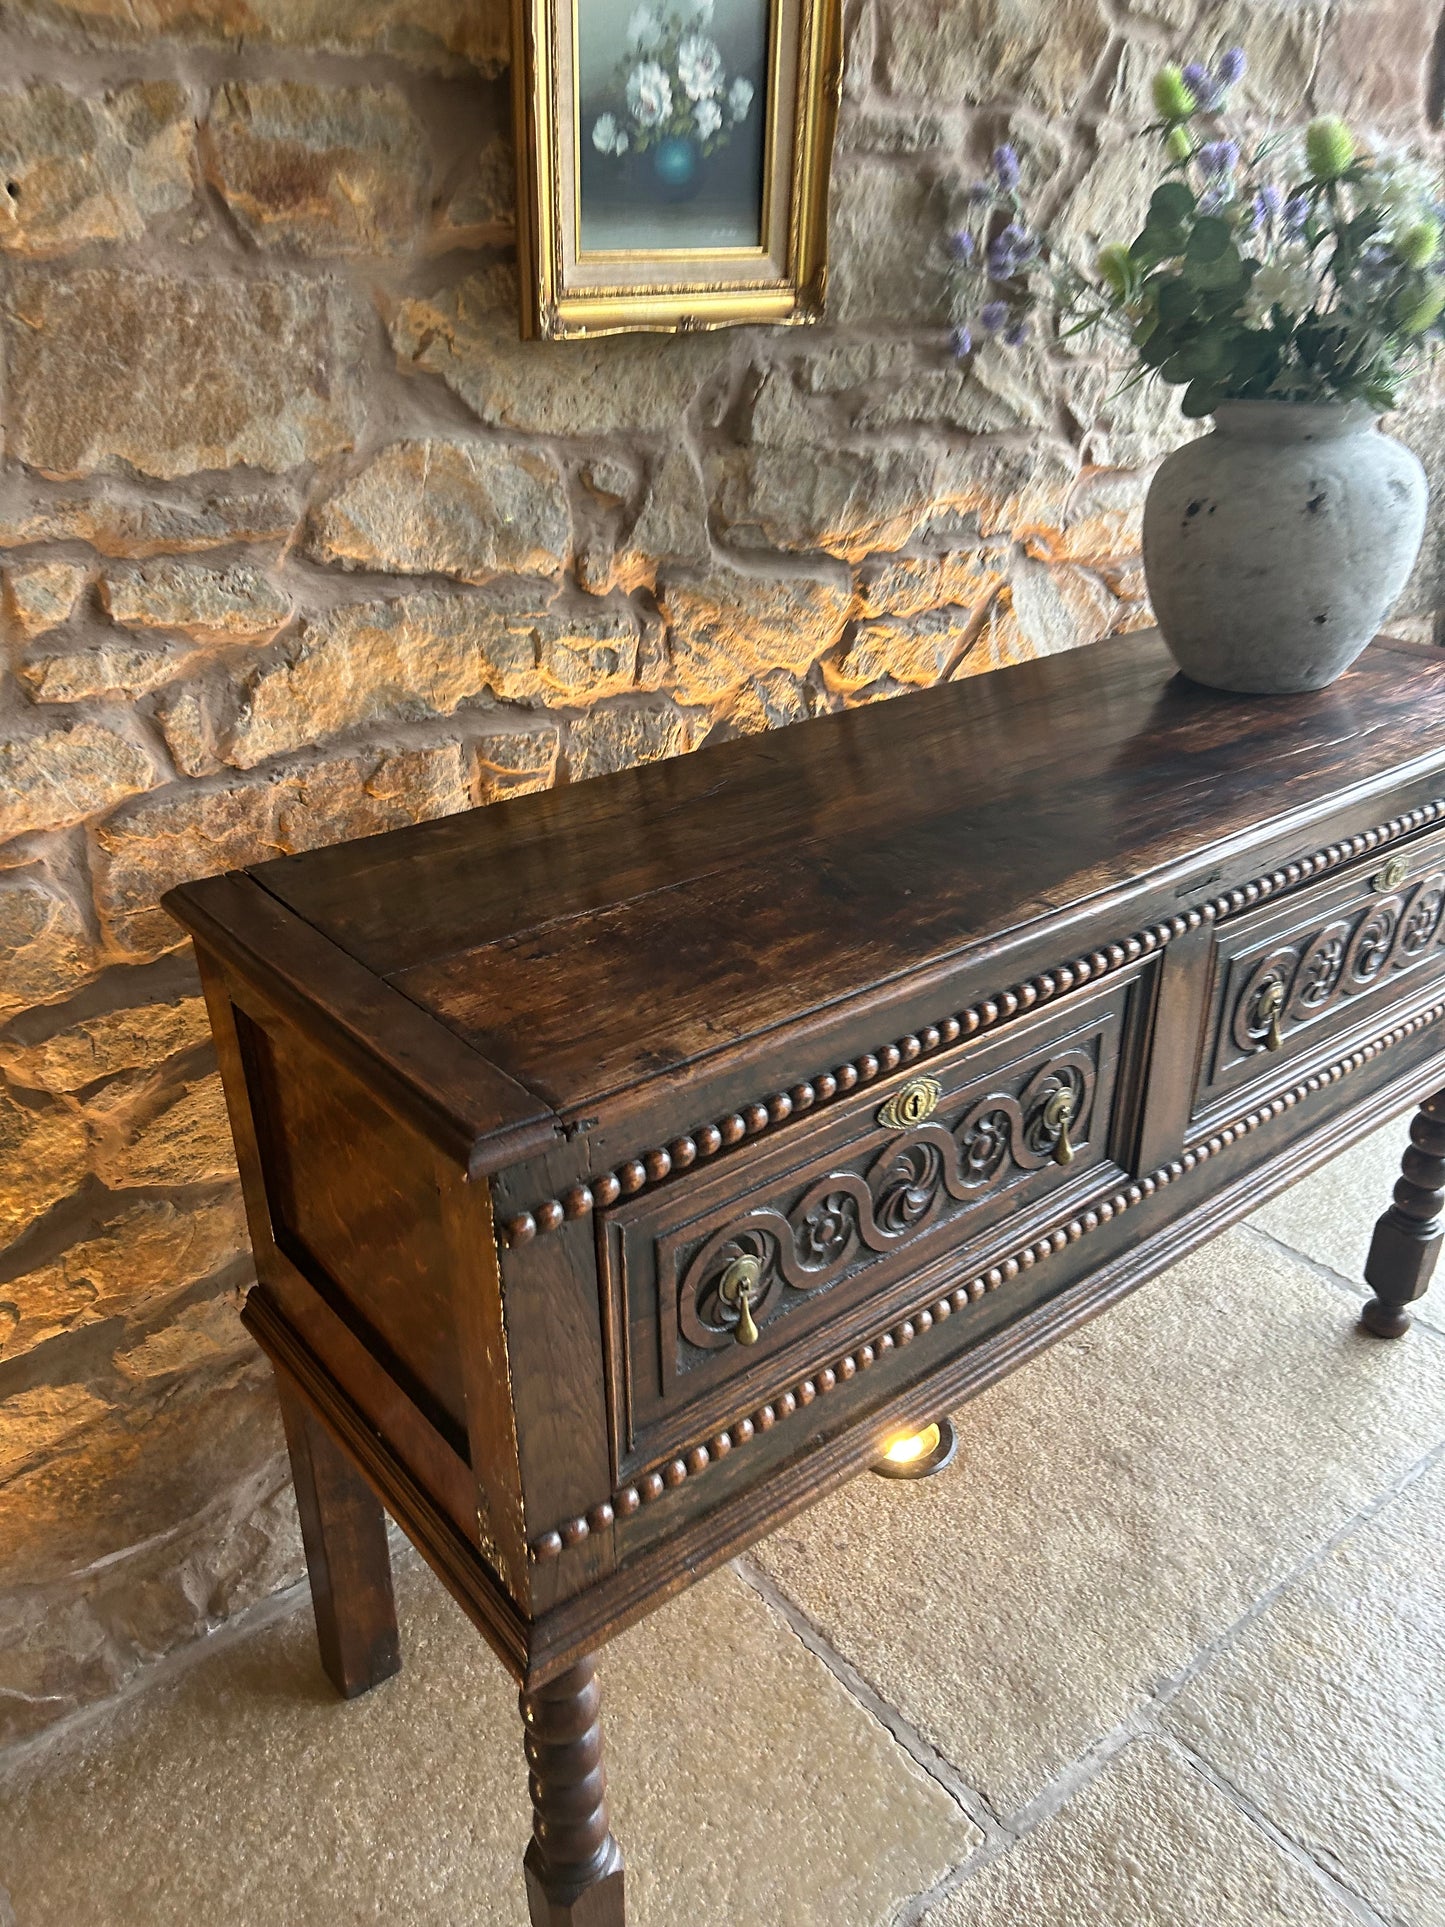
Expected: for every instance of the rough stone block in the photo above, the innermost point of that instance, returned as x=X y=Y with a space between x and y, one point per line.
x=1378 y=62
x=198 y=832
x=178 y=374
x=200 y=1336
x=413 y=656
x=446 y=35
x=209 y=605
x=65 y=675
x=141 y=1036
x=42 y=1154
x=45 y=947
x=206 y=518
x=80 y=168
x=481 y=209
x=515 y=762
x=917 y=651
x=43 y=595
x=855 y=502
x=974 y=50
x=134 y=1263
x=61 y=776
x=729 y=629
x=912 y=585
x=35 y=1422
x=1060 y=608
x=618 y=738
x=322 y=170
x=468 y=336
x=885 y=229
x=470 y=510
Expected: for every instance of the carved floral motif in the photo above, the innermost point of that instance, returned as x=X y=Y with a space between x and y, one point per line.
x=1346 y=957
x=810 y=1243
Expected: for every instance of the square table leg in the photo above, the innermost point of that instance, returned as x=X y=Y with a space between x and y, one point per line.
x=348 y=1562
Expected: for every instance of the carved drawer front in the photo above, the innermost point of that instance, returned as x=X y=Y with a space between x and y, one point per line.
x=723 y=1286
x=1301 y=976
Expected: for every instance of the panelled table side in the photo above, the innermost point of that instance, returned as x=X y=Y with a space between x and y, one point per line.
x=625 y=1164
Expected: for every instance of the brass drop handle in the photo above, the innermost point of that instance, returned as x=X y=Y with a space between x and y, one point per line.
x=1058 y=1116
x=1271 y=1009
x=736 y=1287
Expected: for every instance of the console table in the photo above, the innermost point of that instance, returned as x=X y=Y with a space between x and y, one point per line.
x=626 y=1165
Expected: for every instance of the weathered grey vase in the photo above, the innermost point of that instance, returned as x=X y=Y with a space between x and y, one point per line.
x=1275 y=547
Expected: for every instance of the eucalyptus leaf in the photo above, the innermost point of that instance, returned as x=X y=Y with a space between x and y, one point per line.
x=1172 y=205
x=1201 y=398
x=1210 y=239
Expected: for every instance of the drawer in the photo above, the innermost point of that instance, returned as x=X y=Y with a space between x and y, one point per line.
x=731 y=1283
x=1295 y=979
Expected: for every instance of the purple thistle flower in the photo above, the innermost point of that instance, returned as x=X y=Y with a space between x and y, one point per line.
x=1296 y=213
x=1200 y=82
x=962 y=246
x=1271 y=201
x=993 y=316
x=1232 y=67
x=1214 y=198
x=1011 y=249
x=1219 y=158
x=1006 y=166
x=1017 y=335
x=961 y=342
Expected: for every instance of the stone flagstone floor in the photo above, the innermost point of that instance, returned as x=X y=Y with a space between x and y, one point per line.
x=1166 y=1645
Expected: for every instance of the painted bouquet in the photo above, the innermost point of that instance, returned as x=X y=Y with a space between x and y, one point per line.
x=1300 y=269
x=673 y=92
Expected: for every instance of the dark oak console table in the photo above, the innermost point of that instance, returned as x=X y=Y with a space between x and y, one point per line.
x=626 y=1164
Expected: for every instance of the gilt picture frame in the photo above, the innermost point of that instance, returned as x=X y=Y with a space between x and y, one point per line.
x=673 y=160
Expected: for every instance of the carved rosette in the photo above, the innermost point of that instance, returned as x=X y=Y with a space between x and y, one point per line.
x=907 y=1188
x=1347 y=957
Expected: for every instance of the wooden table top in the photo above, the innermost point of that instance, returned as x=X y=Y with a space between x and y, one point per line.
x=591 y=937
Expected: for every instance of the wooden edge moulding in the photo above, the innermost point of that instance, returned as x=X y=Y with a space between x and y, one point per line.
x=623 y=1504
x=653 y=1166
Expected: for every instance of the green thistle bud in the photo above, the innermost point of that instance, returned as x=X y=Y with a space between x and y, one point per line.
x=1329 y=147
x=1115 y=267
x=1173 y=96
x=1425 y=312
x=1180 y=144
x=1418 y=246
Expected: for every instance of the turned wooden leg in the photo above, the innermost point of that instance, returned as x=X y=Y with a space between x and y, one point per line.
x=1408 y=1238
x=343 y=1527
x=573 y=1866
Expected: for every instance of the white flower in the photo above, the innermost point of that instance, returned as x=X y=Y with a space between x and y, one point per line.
x=1401 y=188
x=607 y=136
x=709 y=118
x=649 y=94
x=699 y=66
x=740 y=98
x=644 y=32
x=1288 y=284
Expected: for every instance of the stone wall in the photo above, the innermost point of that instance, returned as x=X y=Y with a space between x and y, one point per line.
x=302 y=543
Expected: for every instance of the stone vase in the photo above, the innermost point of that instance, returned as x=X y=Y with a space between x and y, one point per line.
x=1275 y=547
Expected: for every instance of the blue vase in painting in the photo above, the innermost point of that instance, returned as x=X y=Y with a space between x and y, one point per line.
x=677 y=167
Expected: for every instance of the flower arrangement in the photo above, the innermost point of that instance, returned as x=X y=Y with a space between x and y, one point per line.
x=672 y=85
x=1299 y=269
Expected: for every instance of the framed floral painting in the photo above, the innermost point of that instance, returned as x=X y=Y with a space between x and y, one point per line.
x=673 y=160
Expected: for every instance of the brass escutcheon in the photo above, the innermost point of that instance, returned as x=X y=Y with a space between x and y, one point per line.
x=1058 y=1116
x=736 y=1287
x=914 y=1104
x=1393 y=874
